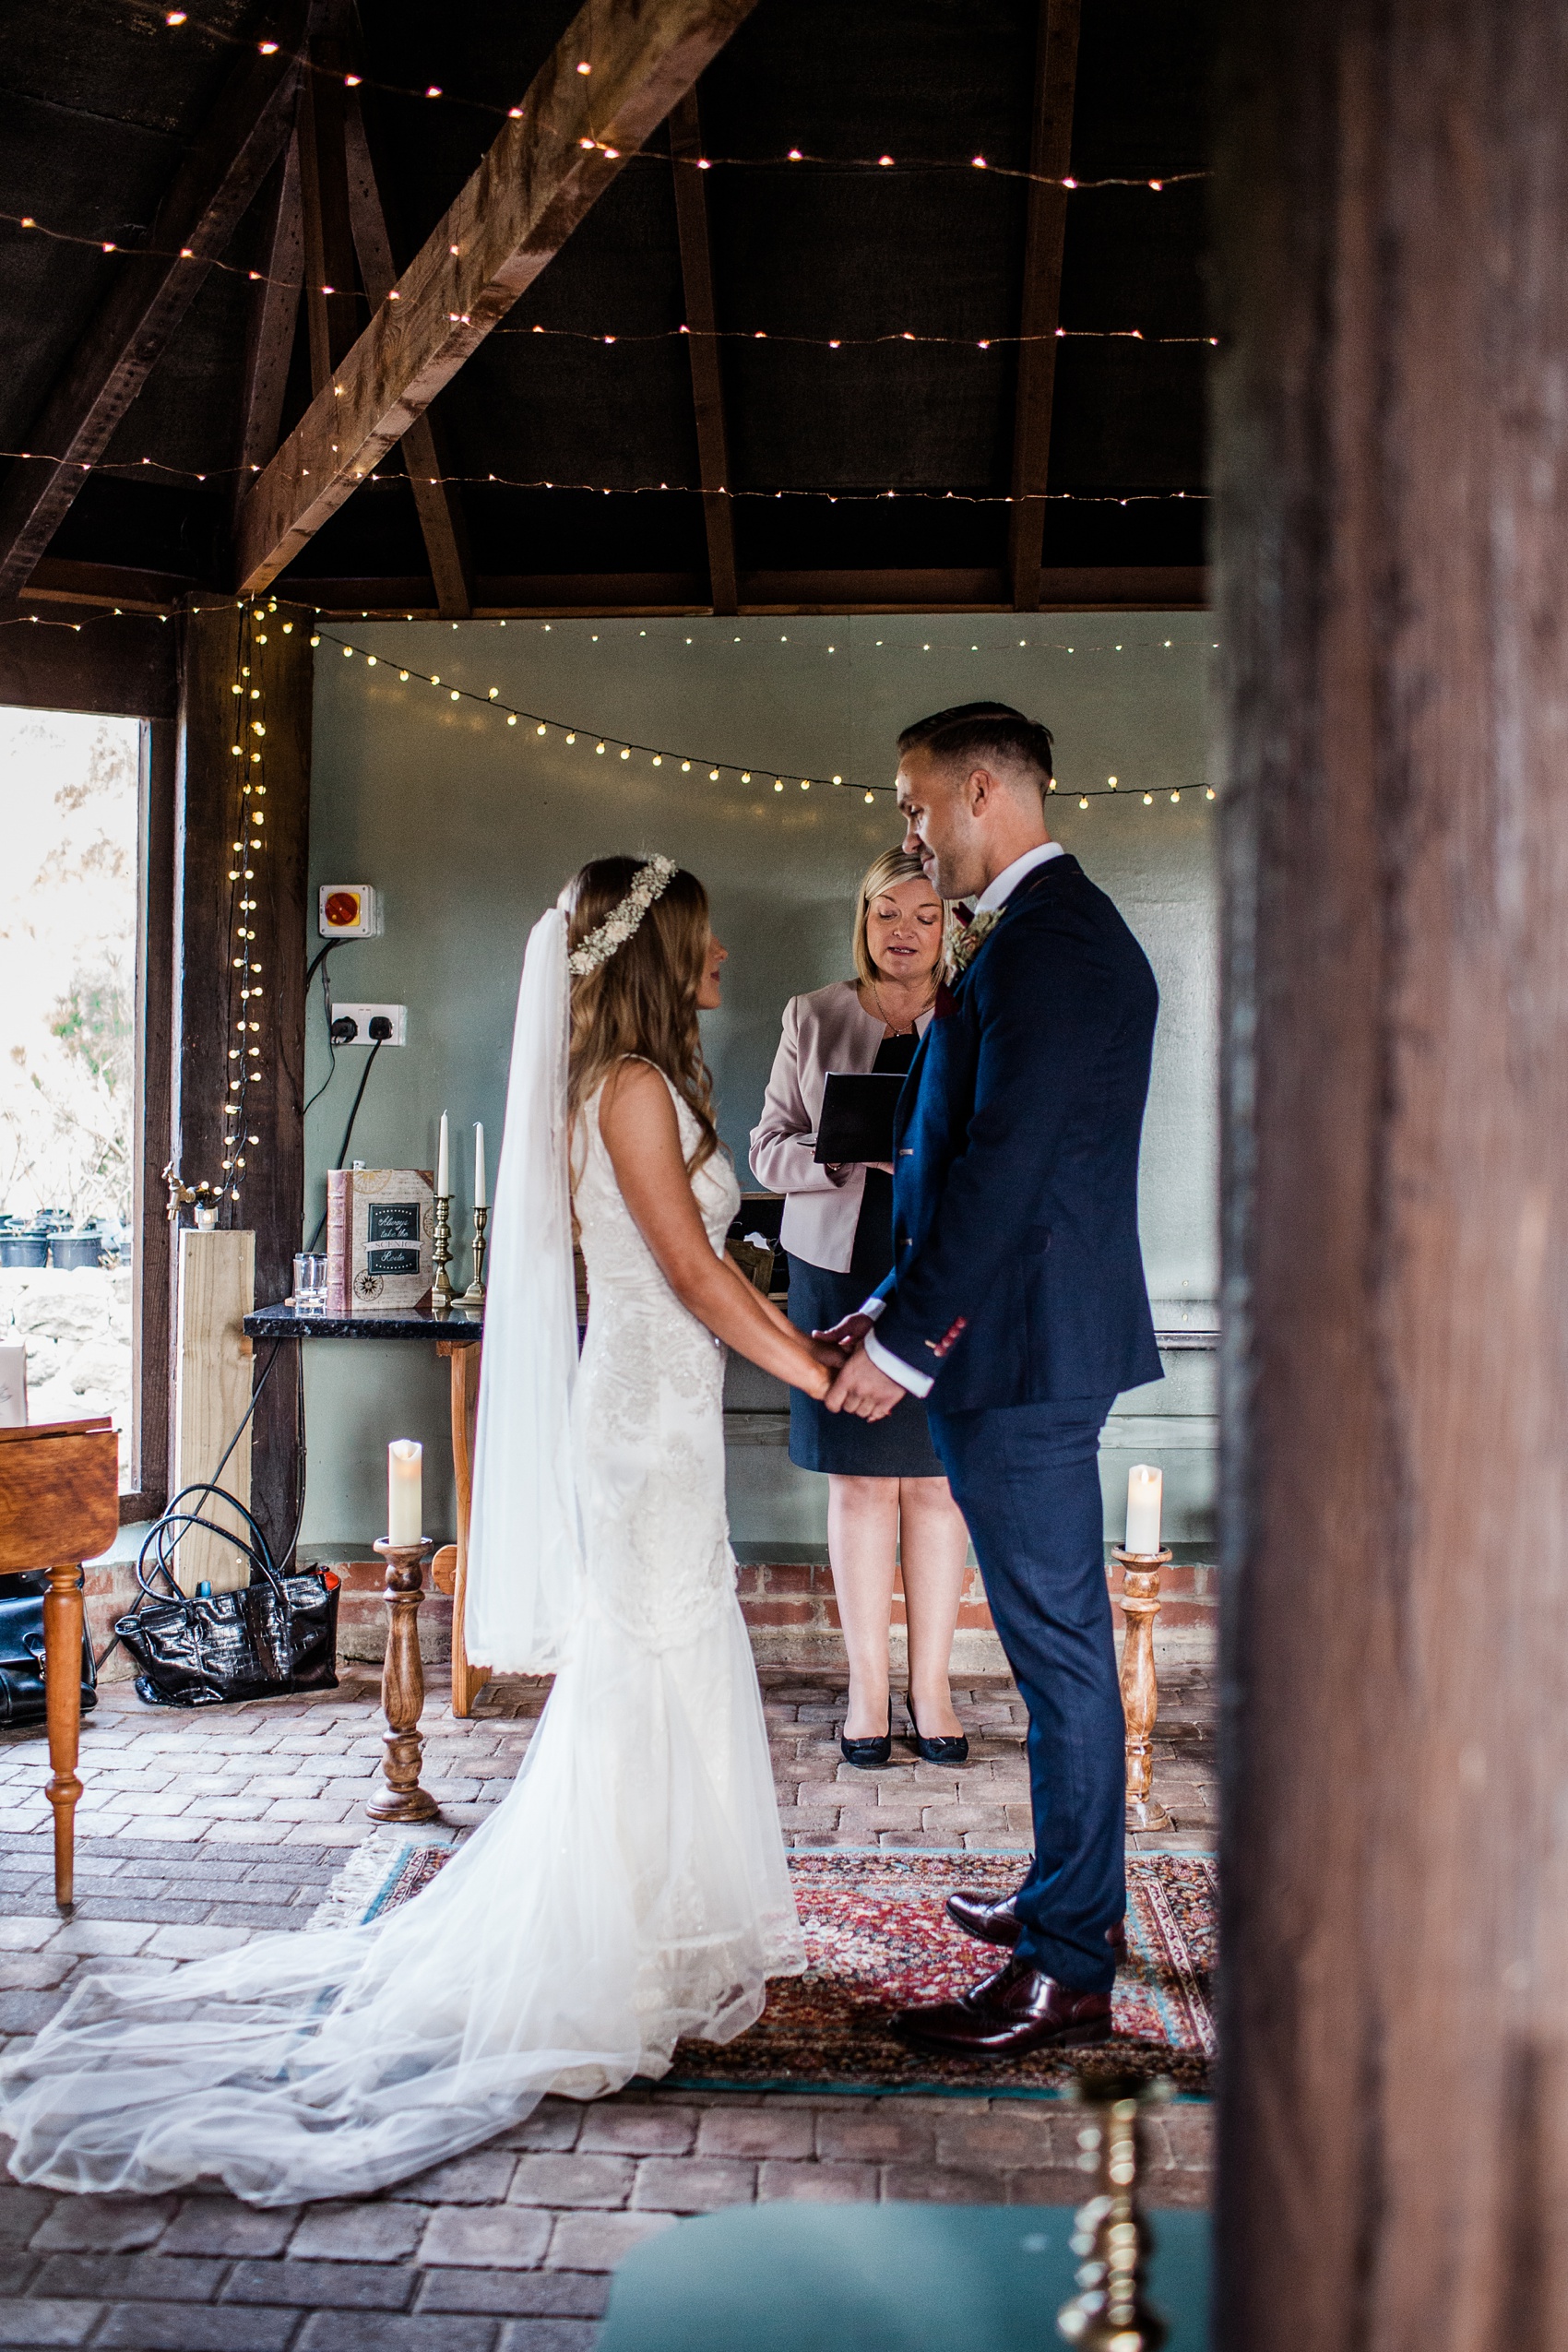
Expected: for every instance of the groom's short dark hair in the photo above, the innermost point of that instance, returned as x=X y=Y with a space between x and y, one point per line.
x=981 y=730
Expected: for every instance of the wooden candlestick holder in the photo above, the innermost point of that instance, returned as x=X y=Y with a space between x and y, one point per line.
x=1111 y=2311
x=441 y=1285
x=474 y=1295
x=1139 y=1602
x=402 y=1687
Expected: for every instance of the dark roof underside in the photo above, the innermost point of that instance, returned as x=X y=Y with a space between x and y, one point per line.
x=101 y=98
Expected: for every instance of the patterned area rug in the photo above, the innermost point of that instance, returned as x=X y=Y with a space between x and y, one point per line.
x=877 y=1938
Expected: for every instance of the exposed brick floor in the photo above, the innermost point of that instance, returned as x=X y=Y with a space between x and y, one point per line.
x=196 y=1832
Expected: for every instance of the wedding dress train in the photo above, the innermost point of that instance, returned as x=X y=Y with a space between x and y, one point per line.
x=632 y=1886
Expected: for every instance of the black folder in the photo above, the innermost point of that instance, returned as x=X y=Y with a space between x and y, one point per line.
x=857 y=1115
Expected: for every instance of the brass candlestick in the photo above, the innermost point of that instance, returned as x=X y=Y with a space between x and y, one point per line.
x=1111 y=2311
x=474 y=1295
x=402 y=1687
x=441 y=1288
x=1139 y=1602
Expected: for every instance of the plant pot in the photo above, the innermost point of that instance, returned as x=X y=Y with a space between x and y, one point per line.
x=24 y=1249
x=70 y=1252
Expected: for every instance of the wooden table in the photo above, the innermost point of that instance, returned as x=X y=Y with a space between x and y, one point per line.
x=59 y=1505
x=457 y=1337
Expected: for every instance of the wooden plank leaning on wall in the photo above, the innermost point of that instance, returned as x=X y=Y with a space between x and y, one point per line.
x=222 y=640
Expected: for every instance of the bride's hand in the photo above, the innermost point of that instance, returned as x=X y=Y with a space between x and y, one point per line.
x=845 y=1335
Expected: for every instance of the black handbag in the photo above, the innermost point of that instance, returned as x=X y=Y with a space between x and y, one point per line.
x=21 y=1652
x=275 y=1634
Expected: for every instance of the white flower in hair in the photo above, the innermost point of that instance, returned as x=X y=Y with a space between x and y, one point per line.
x=649 y=882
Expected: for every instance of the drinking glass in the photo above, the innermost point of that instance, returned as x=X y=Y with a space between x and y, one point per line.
x=310 y=1283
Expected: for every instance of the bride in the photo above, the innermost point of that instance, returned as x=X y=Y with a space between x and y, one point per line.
x=632 y=1887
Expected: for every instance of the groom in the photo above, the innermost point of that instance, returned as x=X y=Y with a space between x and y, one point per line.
x=1017 y=1305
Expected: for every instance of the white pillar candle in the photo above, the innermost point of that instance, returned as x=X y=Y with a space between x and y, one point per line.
x=405 y=1502
x=1144 y=1487
x=441 y=1184
x=482 y=1198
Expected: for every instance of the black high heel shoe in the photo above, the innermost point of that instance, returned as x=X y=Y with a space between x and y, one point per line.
x=870 y=1754
x=937 y=1751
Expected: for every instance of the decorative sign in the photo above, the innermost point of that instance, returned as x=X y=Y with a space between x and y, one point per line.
x=380 y=1239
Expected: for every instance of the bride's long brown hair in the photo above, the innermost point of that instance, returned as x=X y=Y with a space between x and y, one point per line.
x=642 y=1000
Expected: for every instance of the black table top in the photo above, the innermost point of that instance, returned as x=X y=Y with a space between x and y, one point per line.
x=367 y=1322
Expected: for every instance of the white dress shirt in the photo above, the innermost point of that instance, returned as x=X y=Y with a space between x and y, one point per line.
x=996 y=894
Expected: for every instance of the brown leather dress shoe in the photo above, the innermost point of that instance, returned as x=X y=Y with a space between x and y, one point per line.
x=998 y=1922
x=1015 y=2009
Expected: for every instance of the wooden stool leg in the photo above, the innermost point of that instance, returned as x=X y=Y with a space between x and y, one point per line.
x=467 y=1679
x=63 y=1703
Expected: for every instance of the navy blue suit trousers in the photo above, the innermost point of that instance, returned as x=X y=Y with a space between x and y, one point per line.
x=1026 y=1478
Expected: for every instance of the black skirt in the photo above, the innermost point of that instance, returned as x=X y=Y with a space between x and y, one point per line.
x=898 y=1447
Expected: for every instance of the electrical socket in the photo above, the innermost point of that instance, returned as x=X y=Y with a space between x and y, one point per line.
x=365 y=1014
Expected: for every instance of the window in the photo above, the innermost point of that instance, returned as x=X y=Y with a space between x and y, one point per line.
x=70 y=894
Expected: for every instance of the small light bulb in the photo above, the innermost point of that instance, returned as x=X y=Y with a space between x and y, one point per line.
x=600 y=748
x=870 y=798
x=713 y=775
x=512 y=720
x=778 y=783
x=625 y=751
x=1149 y=799
x=571 y=739
x=1083 y=804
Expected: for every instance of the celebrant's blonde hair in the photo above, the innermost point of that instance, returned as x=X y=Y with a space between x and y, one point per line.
x=642 y=1000
x=886 y=873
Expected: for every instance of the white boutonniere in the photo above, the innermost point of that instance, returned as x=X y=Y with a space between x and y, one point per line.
x=973 y=936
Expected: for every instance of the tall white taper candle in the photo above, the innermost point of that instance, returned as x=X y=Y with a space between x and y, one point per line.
x=405 y=1499
x=481 y=1198
x=1145 y=1491
x=442 y=1186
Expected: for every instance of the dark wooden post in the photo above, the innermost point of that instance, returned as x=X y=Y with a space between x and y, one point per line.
x=251 y=646
x=1392 y=480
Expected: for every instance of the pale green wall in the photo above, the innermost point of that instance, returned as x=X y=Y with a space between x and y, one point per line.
x=468 y=827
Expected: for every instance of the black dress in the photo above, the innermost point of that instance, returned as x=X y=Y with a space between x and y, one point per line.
x=900 y=1447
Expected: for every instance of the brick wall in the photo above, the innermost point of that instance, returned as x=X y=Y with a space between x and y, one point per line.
x=793 y=1617
x=788 y=1604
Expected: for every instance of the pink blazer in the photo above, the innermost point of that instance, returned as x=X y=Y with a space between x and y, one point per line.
x=827 y=1030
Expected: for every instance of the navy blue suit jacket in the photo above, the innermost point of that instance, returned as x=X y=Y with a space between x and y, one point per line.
x=1017 y=1274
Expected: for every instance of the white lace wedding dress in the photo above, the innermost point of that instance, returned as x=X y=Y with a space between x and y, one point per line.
x=632 y=1887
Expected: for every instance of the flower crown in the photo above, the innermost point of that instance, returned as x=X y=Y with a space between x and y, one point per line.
x=650 y=881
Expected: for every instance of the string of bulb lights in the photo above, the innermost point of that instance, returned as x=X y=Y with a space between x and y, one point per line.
x=599 y=745
x=128 y=468
x=603 y=747
x=999 y=341
x=178 y=21
x=245 y=994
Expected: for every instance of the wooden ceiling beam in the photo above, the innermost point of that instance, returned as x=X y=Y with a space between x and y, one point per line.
x=566 y=142
x=331 y=296
x=232 y=153
x=702 y=335
x=273 y=324
x=1132 y=588
x=1051 y=144
x=438 y=500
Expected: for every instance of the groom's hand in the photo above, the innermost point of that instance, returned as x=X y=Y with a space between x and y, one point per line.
x=861 y=1389
x=847 y=1333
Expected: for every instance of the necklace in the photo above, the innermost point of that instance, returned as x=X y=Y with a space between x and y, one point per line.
x=887 y=1021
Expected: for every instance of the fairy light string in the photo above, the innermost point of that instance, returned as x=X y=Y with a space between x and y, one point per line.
x=540 y=726
x=626 y=748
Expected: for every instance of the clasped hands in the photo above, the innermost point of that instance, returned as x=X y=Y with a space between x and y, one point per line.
x=859 y=1387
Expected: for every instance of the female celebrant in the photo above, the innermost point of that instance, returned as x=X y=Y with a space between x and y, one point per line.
x=887 y=1496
